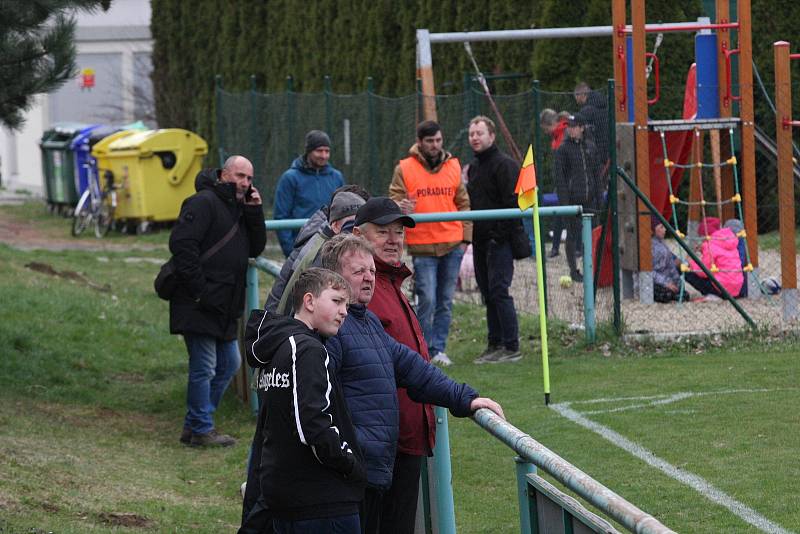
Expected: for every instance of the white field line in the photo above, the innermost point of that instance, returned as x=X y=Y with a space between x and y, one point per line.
x=658 y=400
x=695 y=482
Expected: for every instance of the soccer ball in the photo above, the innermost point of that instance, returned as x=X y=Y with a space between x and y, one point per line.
x=565 y=282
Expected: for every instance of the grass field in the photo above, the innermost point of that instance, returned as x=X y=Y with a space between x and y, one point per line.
x=92 y=393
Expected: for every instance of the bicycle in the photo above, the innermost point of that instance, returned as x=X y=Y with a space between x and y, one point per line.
x=96 y=205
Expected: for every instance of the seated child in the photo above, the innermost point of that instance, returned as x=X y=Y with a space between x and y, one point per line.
x=666 y=279
x=309 y=469
x=720 y=251
x=736 y=226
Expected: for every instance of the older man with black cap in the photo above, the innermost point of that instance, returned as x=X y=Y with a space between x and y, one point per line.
x=576 y=171
x=306 y=186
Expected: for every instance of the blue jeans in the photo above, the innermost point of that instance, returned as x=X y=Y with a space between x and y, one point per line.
x=494 y=271
x=343 y=524
x=434 y=284
x=212 y=364
x=527 y=223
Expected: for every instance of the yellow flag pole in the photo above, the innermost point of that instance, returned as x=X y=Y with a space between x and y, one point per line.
x=537 y=234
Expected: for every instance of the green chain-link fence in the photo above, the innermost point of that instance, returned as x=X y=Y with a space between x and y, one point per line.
x=370 y=134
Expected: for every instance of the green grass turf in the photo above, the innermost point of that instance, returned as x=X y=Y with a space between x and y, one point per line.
x=92 y=398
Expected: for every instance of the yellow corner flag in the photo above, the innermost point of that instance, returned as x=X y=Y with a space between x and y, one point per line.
x=526 y=198
x=526 y=183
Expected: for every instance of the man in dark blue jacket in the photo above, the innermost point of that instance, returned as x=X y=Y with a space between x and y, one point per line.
x=224 y=215
x=306 y=186
x=371 y=364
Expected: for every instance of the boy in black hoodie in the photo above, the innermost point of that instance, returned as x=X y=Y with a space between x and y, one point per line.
x=310 y=470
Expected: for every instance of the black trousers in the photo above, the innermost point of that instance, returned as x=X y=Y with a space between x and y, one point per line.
x=370 y=511
x=494 y=271
x=399 y=506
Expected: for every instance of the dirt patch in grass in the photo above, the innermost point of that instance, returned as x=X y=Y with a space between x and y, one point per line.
x=46 y=268
x=125 y=519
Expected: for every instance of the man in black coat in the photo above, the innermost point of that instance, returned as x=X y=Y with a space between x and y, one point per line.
x=224 y=215
x=492 y=178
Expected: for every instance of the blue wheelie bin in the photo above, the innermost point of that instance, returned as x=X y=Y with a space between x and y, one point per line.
x=82 y=145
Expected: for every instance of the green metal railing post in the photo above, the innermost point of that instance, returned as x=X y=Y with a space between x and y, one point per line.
x=612 y=206
x=523 y=468
x=290 y=118
x=443 y=476
x=219 y=115
x=252 y=304
x=537 y=156
x=328 y=91
x=588 y=278
x=373 y=146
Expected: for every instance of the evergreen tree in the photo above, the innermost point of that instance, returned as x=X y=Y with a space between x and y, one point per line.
x=554 y=60
x=37 y=51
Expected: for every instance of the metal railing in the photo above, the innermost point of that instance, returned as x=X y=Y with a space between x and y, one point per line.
x=531 y=451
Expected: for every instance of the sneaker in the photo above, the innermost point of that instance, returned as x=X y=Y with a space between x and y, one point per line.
x=553 y=253
x=186 y=435
x=212 y=439
x=507 y=355
x=491 y=349
x=442 y=359
x=576 y=277
x=501 y=355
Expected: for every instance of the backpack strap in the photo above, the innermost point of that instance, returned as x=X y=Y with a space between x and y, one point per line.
x=221 y=243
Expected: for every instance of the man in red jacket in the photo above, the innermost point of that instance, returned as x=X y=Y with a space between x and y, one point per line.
x=383 y=225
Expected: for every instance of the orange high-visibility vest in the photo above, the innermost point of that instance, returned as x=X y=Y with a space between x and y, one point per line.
x=434 y=192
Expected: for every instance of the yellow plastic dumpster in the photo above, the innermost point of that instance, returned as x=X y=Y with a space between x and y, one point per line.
x=153 y=171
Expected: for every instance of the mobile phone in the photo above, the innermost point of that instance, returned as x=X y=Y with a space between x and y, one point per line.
x=248 y=194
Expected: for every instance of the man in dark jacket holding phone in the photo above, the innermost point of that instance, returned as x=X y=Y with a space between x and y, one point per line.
x=224 y=222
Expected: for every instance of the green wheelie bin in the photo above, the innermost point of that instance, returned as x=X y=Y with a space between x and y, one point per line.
x=58 y=165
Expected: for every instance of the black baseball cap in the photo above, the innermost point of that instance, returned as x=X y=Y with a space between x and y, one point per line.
x=381 y=211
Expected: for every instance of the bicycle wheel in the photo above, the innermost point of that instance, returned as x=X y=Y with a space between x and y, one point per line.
x=104 y=220
x=83 y=214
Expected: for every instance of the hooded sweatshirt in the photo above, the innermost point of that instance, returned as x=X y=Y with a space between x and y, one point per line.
x=301 y=191
x=310 y=465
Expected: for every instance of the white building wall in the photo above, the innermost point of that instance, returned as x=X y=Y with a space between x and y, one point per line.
x=117 y=45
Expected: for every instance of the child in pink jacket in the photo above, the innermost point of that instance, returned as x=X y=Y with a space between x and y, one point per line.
x=722 y=252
